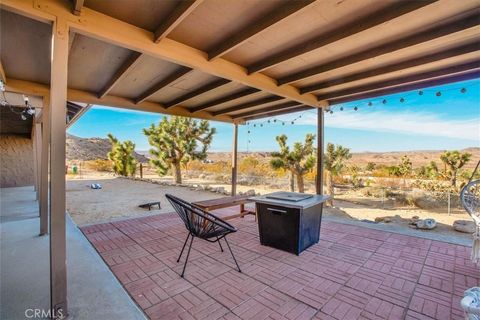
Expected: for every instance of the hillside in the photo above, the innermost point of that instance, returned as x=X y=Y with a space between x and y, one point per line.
x=91 y=149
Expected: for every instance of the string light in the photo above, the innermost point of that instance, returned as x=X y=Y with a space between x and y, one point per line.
x=384 y=101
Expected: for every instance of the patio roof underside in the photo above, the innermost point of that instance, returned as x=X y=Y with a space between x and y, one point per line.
x=235 y=61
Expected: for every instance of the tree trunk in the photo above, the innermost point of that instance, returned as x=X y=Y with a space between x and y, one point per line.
x=330 y=190
x=453 y=179
x=177 y=173
x=292 y=182
x=300 y=184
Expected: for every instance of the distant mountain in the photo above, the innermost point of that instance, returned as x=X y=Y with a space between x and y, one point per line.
x=91 y=149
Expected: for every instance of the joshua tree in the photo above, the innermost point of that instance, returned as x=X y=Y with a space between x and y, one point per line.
x=176 y=141
x=405 y=168
x=335 y=157
x=121 y=155
x=453 y=161
x=370 y=166
x=298 y=161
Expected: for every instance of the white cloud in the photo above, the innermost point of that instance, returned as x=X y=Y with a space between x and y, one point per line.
x=415 y=123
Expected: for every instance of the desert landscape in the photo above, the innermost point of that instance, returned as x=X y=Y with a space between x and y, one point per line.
x=120 y=197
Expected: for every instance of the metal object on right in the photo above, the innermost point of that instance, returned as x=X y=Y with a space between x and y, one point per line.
x=288 y=225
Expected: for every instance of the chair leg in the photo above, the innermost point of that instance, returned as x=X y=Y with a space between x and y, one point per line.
x=220 y=244
x=188 y=254
x=183 y=248
x=232 y=255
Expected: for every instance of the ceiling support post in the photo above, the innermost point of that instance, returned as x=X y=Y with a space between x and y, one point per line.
x=44 y=166
x=58 y=102
x=320 y=155
x=234 y=159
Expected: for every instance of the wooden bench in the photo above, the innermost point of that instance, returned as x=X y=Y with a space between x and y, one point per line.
x=226 y=202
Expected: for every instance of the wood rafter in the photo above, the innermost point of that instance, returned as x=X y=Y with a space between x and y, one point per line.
x=128 y=65
x=77 y=7
x=272 y=18
x=277 y=113
x=108 y=29
x=282 y=106
x=248 y=105
x=465 y=49
x=402 y=80
x=398 y=9
x=195 y=93
x=395 y=45
x=181 y=11
x=162 y=84
x=227 y=98
x=81 y=96
x=408 y=87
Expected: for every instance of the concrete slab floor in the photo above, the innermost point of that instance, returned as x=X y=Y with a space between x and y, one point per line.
x=93 y=291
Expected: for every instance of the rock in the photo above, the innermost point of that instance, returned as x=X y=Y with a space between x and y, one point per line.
x=202 y=176
x=426 y=224
x=250 y=193
x=220 y=190
x=383 y=219
x=465 y=226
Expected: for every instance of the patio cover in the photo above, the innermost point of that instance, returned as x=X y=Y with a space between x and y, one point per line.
x=230 y=61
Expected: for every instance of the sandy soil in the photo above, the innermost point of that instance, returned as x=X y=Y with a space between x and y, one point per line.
x=120 y=198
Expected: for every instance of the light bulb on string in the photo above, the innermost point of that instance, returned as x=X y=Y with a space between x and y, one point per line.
x=370 y=104
x=420 y=93
x=402 y=100
x=438 y=94
x=356 y=108
x=283 y=123
x=463 y=90
x=293 y=122
x=341 y=108
x=384 y=101
x=331 y=111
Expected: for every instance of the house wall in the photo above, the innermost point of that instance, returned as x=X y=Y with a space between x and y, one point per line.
x=16 y=161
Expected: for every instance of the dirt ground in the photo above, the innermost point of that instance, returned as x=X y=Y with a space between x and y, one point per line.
x=120 y=198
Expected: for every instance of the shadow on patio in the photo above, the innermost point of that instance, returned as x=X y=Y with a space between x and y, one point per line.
x=352 y=273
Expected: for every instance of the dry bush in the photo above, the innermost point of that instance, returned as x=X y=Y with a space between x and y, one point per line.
x=99 y=165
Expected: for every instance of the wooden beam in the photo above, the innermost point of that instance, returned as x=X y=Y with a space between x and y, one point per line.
x=248 y=105
x=277 y=15
x=234 y=159
x=402 y=80
x=388 y=48
x=320 y=154
x=128 y=65
x=278 y=113
x=108 y=29
x=377 y=18
x=3 y=77
x=77 y=7
x=227 y=98
x=58 y=103
x=469 y=48
x=44 y=166
x=195 y=93
x=78 y=115
x=409 y=87
x=162 y=84
x=282 y=106
x=82 y=96
x=181 y=11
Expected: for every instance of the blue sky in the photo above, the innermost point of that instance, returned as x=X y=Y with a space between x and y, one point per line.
x=421 y=122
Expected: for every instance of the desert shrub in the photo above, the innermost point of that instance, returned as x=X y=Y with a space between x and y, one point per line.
x=102 y=165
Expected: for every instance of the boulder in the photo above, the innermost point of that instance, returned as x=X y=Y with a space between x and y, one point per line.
x=426 y=224
x=250 y=193
x=465 y=226
x=383 y=219
x=220 y=190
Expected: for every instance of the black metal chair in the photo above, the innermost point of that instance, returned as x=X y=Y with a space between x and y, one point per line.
x=201 y=224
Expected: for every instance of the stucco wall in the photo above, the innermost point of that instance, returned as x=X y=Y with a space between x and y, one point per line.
x=16 y=161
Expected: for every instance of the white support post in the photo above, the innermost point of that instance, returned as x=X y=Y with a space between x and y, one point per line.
x=44 y=166
x=58 y=100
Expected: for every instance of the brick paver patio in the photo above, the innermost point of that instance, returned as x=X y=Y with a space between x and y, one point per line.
x=352 y=273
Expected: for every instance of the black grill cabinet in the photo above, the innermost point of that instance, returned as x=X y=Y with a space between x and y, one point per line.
x=286 y=224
